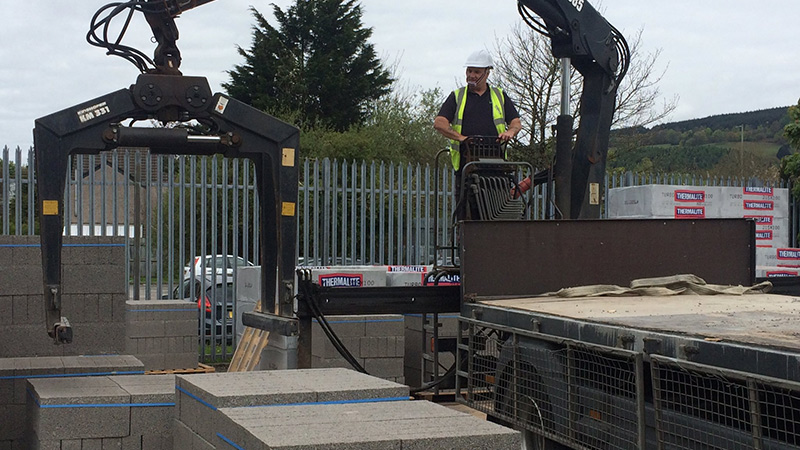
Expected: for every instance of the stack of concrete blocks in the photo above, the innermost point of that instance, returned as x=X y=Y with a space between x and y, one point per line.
x=767 y=206
x=93 y=299
x=417 y=335
x=15 y=373
x=377 y=342
x=409 y=425
x=319 y=408
x=129 y=412
x=163 y=333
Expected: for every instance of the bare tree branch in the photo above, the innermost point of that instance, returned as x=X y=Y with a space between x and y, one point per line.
x=526 y=69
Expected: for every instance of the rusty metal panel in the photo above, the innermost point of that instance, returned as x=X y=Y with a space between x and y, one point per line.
x=532 y=257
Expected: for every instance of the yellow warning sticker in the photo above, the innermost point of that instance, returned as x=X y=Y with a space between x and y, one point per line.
x=288 y=209
x=288 y=157
x=50 y=207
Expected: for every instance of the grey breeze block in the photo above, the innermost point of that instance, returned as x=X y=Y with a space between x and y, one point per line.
x=131 y=410
x=14 y=373
x=199 y=396
x=400 y=425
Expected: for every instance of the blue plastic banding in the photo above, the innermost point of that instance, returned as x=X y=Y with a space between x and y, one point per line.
x=214 y=408
x=63 y=245
x=229 y=442
x=162 y=310
x=336 y=402
x=363 y=321
x=106 y=405
x=441 y=316
x=72 y=375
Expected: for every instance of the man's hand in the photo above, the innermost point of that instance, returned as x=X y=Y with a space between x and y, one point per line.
x=506 y=136
x=511 y=132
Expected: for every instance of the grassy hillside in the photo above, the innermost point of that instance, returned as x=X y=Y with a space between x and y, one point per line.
x=742 y=144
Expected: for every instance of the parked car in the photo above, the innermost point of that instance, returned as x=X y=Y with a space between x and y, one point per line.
x=215 y=300
x=214 y=264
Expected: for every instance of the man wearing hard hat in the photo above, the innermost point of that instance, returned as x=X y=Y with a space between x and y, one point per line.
x=476 y=109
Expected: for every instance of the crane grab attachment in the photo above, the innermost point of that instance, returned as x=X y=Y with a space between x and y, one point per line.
x=161 y=93
x=599 y=52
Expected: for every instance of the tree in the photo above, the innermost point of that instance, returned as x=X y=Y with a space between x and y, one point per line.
x=792 y=130
x=790 y=165
x=525 y=67
x=316 y=68
x=397 y=128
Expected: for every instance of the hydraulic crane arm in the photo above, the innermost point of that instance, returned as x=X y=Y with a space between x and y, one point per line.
x=160 y=15
x=600 y=53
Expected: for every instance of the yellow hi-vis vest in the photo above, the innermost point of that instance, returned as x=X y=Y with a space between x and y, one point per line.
x=498 y=116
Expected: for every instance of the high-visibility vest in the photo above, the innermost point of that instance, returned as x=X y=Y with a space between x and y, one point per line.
x=498 y=116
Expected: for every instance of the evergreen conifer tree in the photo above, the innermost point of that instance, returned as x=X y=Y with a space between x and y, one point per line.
x=316 y=68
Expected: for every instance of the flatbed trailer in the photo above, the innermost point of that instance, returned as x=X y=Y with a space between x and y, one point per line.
x=665 y=372
x=682 y=372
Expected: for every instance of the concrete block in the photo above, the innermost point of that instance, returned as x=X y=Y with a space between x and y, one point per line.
x=91 y=444
x=186 y=439
x=137 y=329
x=157 y=442
x=71 y=444
x=37 y=444
x=22 y=279
x=388 y=325
x=367 y=426
x=19 y=310
x=14 y=421
x=182 y=435
x=330 y=363
x=384 y=367
x=93 y=279
x=322 y=347
x=96 y=338
x=111 y=444
x=153 y=362
x=6 y=257
x=89 y=307
x=147 y=389
x=53 y=416
x=118 y=306
x=103 y=364
x=181 y=327
x=6 y=310
x=105 y=308
x=199 y=395
x=181 y=361
x=344 y=326
x=382 y=347
x=373 y=347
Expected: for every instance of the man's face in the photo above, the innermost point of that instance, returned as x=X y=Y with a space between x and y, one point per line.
x=476 y=76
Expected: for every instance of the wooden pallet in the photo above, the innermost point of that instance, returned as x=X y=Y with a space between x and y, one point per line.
x=248 y=352
x=201 y=368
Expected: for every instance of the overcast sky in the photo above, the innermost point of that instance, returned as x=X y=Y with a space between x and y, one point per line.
x=721 y=56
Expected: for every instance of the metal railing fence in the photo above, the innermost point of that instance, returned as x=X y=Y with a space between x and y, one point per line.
x=173 y=208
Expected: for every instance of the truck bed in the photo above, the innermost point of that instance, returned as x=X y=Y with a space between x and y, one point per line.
x=755 y=319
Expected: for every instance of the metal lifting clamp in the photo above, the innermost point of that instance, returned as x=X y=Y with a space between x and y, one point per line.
x=234 y=129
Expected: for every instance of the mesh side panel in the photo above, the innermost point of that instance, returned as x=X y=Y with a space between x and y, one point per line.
x=779 y=410
x=583 y=397
x=709 y=408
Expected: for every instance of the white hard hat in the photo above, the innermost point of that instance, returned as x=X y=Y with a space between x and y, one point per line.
x=481 y=58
